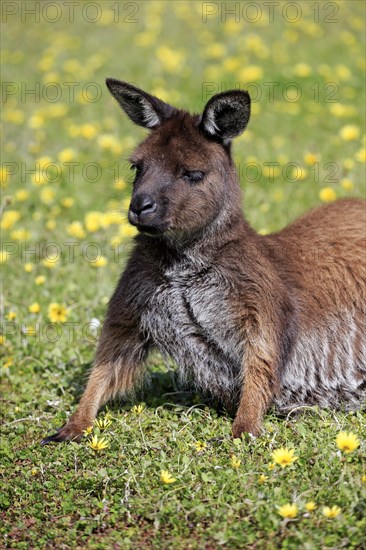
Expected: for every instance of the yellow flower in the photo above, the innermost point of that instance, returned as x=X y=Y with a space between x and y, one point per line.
x=262 y=479
x=103 y=423
x=348 y=163
x=98 y=444
x=11 y=316
x=47 y=195
x=52 y=76
x=327 y=194
x=66 y=155
x=88 y=131
x=45 y=63
x=57 y=313
x=109 y=218
x=21 y=235
x=235 y=462
x=284 y=457
x=343 y=72
x=302 y=69
x=349 y=132
x=115 y=241
x=250 y=73
x=200 y=446
x=3 y=256
x=361 y=155
x=14 y=115
x=311 y=158
x=51 y=224
x=34 y=308
x=57 y=110
x=93 y=221
x=278 y=195
x=71 y=65
x=21 y=195
x=170 y=60
x=363 y=479
x=310 y=506
x=347 y=184
x=127 y=230
x=8 y=363
x=99 y=262
x=51 y=261
x=332 y=512
x=137 y=409
x=40 y=280
x=216 y=50
x=4 y=175
x=88 y=430
x=144 y=39
x=271 y=466
x=9 y=218
x=2 y=340
x=39 y=178
x=288 y=511
x=31 y=330
x=75 y=229
x=166 y=477
x=347 y=442
x=231 y=64
x=36 y=121
x=28 y=268
x=67 y=202
x=44 y=161
x=110 y=143
x=341 y=110
x=347 y=37
x=120 y=184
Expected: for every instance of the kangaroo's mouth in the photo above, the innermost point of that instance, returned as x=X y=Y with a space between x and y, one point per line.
x=151 y=230
x=149 y=224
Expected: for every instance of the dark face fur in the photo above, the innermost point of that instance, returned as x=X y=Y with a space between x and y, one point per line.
x=184 y=173
x=182 y=189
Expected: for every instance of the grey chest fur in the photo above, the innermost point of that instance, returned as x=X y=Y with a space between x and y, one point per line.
x=188 y=318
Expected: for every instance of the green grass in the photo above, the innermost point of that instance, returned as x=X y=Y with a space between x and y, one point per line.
x=68 y=496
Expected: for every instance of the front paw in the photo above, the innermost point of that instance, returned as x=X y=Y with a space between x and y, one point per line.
x=241 y=426
x=69 y=432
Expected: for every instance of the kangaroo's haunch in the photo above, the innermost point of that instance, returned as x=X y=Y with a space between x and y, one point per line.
x=253 y=320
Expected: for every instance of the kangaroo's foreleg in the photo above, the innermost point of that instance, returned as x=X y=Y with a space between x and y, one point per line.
x=116 y=369
x=268 y=337
x=259 y=388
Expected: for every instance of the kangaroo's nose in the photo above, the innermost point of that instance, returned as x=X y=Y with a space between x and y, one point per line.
x=142 y=204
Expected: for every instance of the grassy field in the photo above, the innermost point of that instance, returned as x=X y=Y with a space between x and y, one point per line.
x=65 y=194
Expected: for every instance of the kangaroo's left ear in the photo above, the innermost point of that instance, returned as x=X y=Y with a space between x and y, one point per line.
x=226 y=115
x=142 y=108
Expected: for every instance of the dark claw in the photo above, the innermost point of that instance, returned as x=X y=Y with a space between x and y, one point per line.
x=66 y=433
x=55 y=438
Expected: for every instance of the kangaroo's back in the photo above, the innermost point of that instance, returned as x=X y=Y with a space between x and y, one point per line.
x=322 y=256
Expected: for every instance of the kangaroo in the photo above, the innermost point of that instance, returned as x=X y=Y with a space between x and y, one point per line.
x=254 y=320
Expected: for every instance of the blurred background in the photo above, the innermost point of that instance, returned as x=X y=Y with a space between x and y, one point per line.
x=65 y=179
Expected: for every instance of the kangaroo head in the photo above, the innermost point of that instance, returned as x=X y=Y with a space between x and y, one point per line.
x=184 y=175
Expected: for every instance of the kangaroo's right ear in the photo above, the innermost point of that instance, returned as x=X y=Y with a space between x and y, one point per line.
x=143 y=109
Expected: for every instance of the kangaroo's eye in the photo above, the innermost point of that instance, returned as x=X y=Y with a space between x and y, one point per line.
x=136 y=168
x=193 y=176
